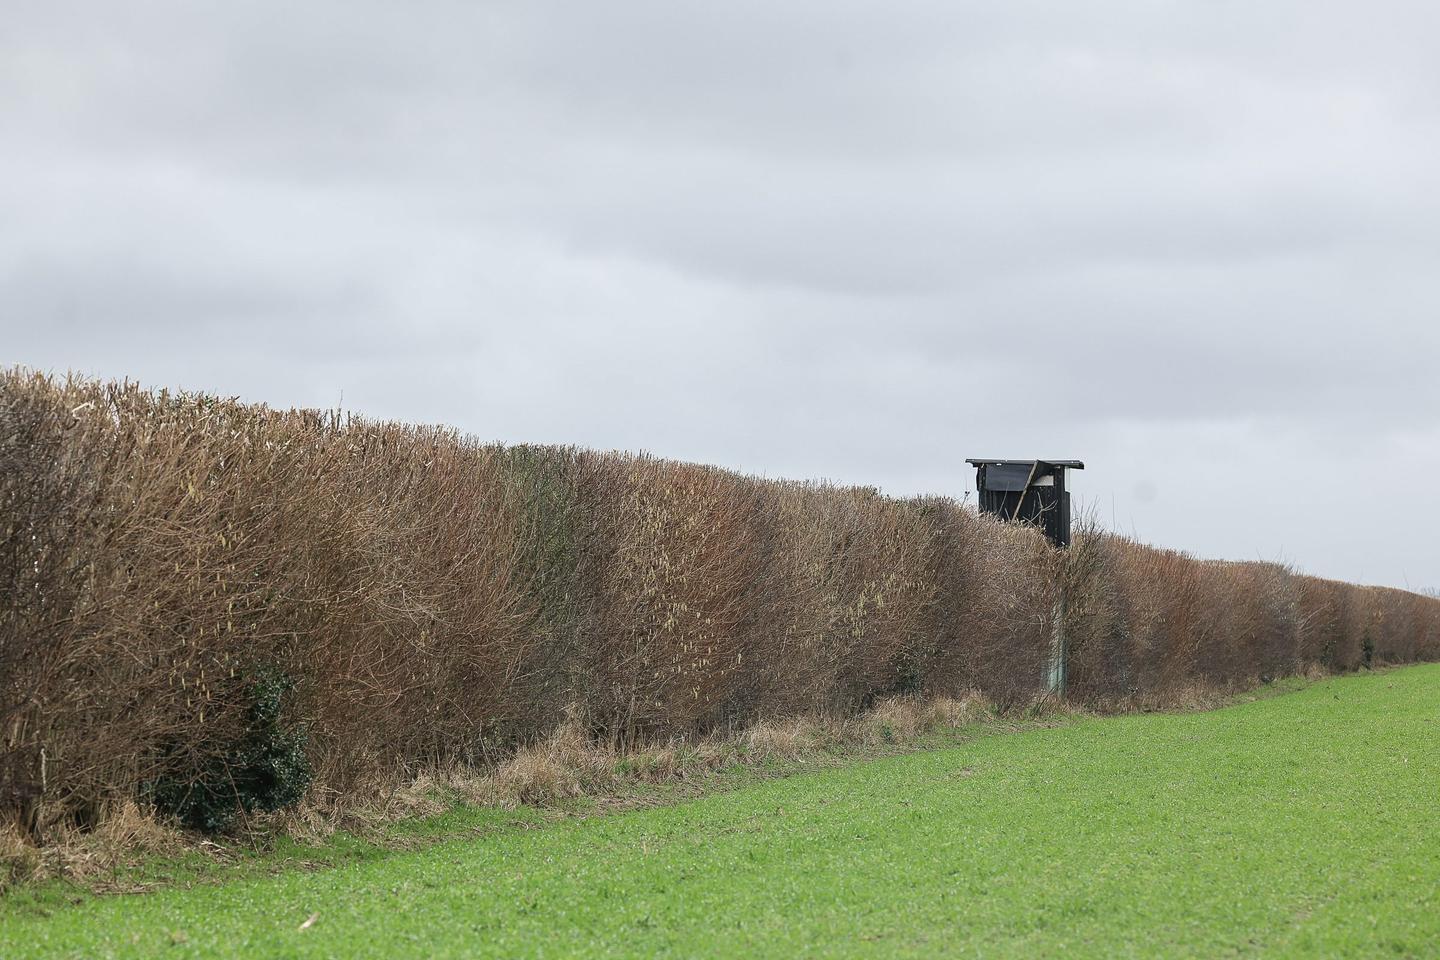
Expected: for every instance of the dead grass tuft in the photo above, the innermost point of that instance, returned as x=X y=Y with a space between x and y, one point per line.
x=783 y=739
x=123 y=832
x=563 y=766
x=19 y=859
x=967 y=708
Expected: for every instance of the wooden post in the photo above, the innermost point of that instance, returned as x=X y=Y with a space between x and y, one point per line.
x=1055 y=674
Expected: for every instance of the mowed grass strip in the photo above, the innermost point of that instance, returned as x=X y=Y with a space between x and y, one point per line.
x=1301 y=825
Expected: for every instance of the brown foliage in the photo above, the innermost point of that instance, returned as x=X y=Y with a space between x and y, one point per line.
x=442 y=601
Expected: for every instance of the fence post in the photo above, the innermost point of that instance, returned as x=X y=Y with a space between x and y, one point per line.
x=1055 y=672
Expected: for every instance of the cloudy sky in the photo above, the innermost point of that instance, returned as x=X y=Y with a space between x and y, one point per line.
x=1192 y=243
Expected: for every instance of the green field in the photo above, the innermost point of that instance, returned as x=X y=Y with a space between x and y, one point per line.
x=1300 y=825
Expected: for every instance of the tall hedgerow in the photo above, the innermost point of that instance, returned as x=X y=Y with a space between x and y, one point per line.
x=432 y=599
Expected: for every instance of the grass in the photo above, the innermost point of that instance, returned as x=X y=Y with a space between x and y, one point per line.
x=1299 y=825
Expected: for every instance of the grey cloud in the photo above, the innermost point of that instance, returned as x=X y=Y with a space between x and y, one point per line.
x=835 y=239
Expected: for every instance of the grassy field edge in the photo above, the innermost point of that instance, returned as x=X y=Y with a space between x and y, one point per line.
x=1293 y=825
x=555 y=781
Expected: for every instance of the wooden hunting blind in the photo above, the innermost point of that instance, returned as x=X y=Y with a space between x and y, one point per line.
x=1027 y=491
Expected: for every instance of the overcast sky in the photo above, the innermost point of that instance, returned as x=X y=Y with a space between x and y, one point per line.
x=1193 y=244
